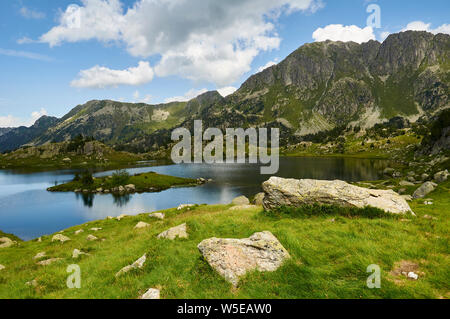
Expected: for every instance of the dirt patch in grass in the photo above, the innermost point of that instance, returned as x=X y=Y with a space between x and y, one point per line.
x=403 y=268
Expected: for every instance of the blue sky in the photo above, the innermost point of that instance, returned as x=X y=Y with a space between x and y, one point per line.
x=56 y=54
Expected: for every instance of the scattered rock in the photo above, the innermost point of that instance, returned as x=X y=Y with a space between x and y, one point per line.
x=60 y=238
x=6 y=242
x=424 y=176
x=130 y=188
x=32 y=283
x=109 y=217
x=152 y=293
x=174 y=232
x=96 y=229
x=388 y=171
x=121 y=217
x=157 y=215
x=429 y=217
x=121 y=189
x=401 y=191
x=242 y=207
x=411 y=179
x=424 y=190
x=183 y=206
x=39 y=255
x=91 y=238
x=39 y=240
x=138 y=264
x=67 y=160
x=233 y=258
x=407 y=197
x=405 y=183
x=241 y=200
x=48 y=261
x=259 y=199
x=77 y=253
x=2 y=267
x=412 y=275
x=141 y=225
x=79 y=231
x=293 y=192
x=403 y=269
x=441 y=177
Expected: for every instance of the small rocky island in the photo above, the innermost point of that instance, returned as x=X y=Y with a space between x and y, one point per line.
x=122 y=183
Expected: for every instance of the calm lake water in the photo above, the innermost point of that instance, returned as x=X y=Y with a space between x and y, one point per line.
x=29 y=211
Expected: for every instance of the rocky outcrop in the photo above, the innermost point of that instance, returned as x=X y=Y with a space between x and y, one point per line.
x=258 y=200
x=233 y=258
x=293 y=192
x=441 y=177
x=424 y=190
x=174 y=232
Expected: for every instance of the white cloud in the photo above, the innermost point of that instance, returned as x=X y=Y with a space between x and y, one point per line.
x=31 y=14
x=196 y=39
x=193 y=93
x=145 y=99
x=267 y=65
x=225 y=91
x=12 y=121
x=25 y=54
x=422 y=26
x=102 y=77
x=339 y=32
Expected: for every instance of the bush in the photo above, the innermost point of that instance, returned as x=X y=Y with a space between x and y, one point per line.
x=120 y=177
x=77 y=177
x=86 y=178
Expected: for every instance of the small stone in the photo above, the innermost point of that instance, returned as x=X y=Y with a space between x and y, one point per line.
x=79 y=231
x=152 y=293
x=48 y=261
x=157 y=215
x=405 y=183
x=141 y=225
x=413 y=275
x=60 y=238
x=77 y=253
x=32 y=283
x=121 y=217
x=130 y=188
x=241 y=200
x=39 y=255
x=2 y=267
x=96 y=229
x=179 y=231
x=259 y=199
x=441 y=177
x=138 y=264
x=39 y=240
x=183 y=206
x=109 y=217
x=91 y=238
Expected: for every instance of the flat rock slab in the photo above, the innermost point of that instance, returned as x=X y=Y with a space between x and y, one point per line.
x=138 y=264
x=6 y=242
x=152 y=293
x=233 y=258
x=60 y=238
x=174 y=232
x=294 y=192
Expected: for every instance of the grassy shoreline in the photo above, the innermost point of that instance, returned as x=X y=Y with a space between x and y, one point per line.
x=330 y=254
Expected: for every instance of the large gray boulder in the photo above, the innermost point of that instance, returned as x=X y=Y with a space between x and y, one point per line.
x=233 y=258
x=293 y=192
x=424 y=190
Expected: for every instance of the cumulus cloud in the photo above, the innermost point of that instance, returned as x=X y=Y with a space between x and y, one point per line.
x=212 y=41
x=31 y=14
x=145 y=99
x=422 y=26
x=12 y=121
x=193 y=93
x=225 y=91
x=267 y=65
x=102 y=77
x=339 y=32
